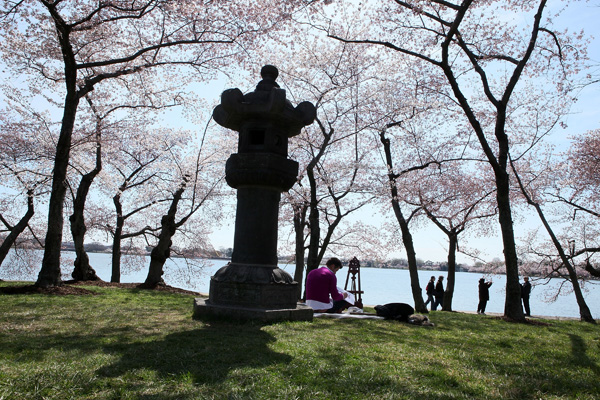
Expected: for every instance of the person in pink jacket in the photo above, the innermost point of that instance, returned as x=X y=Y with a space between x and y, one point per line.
x=322 y=293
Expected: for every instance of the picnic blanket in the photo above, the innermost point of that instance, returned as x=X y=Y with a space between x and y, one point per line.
x=346 y=315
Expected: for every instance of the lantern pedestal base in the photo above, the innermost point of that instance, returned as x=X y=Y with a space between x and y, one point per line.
x=204 y=309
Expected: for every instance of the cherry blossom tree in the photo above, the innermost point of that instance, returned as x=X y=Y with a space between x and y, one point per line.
x=15 y=230
x=136 y=175
x=566 y=261
x=404 y=223
x=70 y=48
x=502 y=64
x=455 y=199
x=109 y=131
x=554 y=190
x=334 y=153
x=25 y=168
x=581 y=180
x=335 y=190
x=413 y=146
x=579 y=191
x=138 y=158
x=197 y=178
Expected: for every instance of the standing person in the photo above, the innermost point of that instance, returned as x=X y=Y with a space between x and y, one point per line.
x=321 y=283
x=429 y=289
x=438 y=293
x=484 y=295
x=525 y=291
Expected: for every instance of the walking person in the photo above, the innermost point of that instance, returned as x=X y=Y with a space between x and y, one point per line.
x=438 y=294
x=525 y=291
x=429 y=289
x=484 y=295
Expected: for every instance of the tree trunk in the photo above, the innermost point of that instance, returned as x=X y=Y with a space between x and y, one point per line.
x=299 y=224
x=312 y=261
x=590 y=268
x=16 y=230
x=411 y=256
x=50 y=274
x=584 y=310
x=406 y=235
x=82 y=271
x=513 y=308
x=449 y=293
x=115 y=275
x=116 y=249
x=162 y=251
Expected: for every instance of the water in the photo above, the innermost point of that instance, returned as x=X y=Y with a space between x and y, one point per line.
x=380 y=286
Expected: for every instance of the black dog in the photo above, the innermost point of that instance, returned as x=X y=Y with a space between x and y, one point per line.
x=396 y=311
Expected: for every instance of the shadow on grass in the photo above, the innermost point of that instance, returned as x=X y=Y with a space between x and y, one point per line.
x=580 y=356
x=205 y=355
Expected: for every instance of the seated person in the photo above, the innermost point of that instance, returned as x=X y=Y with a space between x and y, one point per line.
x=320 y=284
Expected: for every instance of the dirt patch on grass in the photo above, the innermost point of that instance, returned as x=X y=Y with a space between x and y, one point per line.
x=527 y=321
x=74 y=288
x=62 y=290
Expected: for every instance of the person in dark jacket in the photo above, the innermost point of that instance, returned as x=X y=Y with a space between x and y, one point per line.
x=484 y=295
x=430 y=289
x=525 y=291
x=438 y=294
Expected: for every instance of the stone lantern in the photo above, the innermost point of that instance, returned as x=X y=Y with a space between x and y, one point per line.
x=252 y=286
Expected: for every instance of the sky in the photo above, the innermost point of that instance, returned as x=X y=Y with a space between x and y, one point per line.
x=430 y=242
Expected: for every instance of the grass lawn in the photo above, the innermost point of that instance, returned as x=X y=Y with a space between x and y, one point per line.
x=140 y=344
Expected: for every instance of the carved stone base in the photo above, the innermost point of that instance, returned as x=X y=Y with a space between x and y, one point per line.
x=252 y=292
x=252 y=273
x=205 y=309
x=254 y=295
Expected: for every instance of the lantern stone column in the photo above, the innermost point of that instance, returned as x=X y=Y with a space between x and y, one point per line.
x=252 y=286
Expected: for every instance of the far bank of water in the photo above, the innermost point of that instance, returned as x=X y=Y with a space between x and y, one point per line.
x=380 y=286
